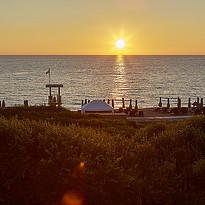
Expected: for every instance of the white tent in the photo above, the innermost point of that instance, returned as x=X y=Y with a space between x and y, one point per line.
x=97 y=106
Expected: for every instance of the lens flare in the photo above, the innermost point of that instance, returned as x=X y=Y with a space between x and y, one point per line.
x=73 y=198
x=82 y=164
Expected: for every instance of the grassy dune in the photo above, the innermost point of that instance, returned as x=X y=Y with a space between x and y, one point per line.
x=63 y=158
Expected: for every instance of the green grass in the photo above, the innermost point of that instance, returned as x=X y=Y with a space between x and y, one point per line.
x=40 y=159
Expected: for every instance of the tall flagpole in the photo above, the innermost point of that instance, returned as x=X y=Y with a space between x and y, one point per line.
x=49 y=76
x=50 y=81
x=49 y=72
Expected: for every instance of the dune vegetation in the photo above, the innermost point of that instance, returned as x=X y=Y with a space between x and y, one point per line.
x=56 y=157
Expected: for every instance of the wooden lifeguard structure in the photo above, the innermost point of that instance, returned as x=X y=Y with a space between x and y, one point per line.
x=52 y=100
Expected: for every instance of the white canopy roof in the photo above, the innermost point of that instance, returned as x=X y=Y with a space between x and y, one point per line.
x=97 y=106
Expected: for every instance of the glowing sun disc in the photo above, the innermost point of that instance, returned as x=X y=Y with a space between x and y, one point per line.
x=120 y=44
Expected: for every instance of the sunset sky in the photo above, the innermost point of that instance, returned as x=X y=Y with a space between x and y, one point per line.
x=92 y=27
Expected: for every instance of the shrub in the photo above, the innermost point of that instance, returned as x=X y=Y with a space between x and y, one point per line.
x=45 y=163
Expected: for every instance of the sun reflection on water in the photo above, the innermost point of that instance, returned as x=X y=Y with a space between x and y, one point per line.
x=120 y=83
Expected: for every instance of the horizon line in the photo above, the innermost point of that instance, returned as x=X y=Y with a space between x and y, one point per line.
x=102 y=54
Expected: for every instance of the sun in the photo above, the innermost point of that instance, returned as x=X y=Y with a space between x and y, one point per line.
x=120 y=44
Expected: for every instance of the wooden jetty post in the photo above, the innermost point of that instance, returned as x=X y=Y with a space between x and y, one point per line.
x=136 y=104
x=108 y=101
x=86 y=101
x=136 y=107
x=123 y=102
x=130 y=104
x=202 y=103
x=168 y=104
x=0 y=103
x=189 y=105
x=82 y=102
x=179 y=105
x=52 y=101
x=160 y=102
x=113 y=103
x=25 y=103
x=3 y=103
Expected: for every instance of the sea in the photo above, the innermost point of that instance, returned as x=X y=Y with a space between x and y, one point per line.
x=141 y=78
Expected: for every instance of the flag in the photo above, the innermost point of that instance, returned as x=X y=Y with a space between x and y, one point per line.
x=48 y=71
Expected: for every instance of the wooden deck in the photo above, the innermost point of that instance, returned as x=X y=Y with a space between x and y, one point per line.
x=150 y=114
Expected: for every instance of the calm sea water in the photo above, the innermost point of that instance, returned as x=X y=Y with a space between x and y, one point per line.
x=142 y=78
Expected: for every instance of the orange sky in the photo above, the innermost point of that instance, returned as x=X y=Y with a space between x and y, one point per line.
x=91 y=27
